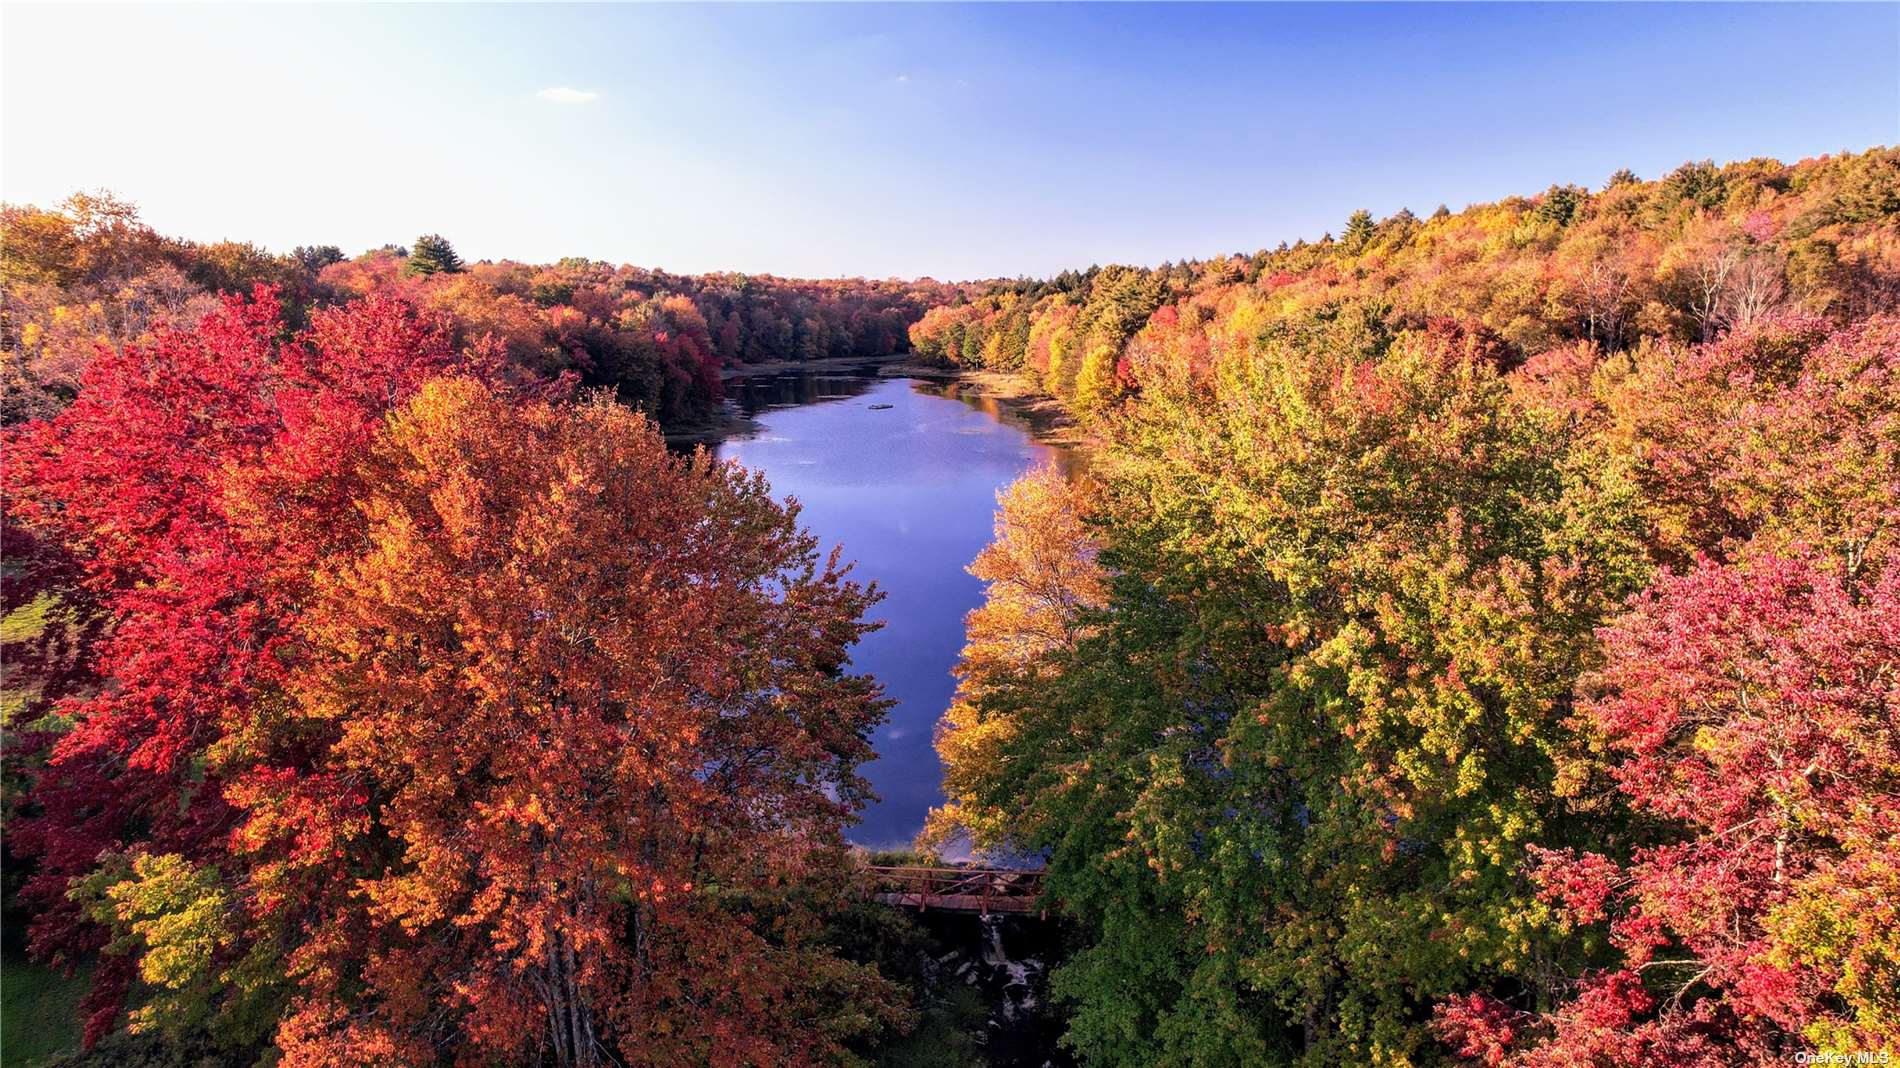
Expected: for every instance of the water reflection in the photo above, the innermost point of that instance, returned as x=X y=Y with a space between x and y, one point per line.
x=909 y=490
x=759 y=393
x=1070 y=461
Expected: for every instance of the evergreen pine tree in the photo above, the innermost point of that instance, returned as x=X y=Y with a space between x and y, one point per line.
x=433 y=254
x=1358 y=229
x=315 y=258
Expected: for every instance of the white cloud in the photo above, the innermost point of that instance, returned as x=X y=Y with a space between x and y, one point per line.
x=563 y=95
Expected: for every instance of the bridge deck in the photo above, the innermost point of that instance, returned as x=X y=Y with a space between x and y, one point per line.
x=980 y=890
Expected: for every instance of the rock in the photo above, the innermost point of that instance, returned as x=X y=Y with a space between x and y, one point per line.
x=1007 y=959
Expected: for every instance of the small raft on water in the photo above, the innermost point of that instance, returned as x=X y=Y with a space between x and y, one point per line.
x=879 y=407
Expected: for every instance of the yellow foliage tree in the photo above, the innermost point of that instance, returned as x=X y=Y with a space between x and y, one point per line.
x=1043 y=579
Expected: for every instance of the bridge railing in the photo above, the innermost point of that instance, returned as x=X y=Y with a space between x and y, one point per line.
x=982 y=890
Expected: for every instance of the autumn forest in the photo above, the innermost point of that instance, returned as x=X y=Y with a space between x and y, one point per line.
x=1466 y=638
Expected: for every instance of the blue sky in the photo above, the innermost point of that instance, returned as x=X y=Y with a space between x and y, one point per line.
x=951 y=141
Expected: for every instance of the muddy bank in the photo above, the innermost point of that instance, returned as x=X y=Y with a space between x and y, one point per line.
x=1013 y=396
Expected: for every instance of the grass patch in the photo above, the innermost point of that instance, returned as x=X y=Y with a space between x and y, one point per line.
x=39 y=1012
x=23 y=624
x=28 y=621
x=900 y=858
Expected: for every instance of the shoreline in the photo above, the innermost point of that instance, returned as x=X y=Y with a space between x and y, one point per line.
x=1040 y=415
x=829 y=363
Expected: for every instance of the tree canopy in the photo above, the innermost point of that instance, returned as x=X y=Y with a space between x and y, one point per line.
x=432 y=254
x=435 y=716
x=1475 y=640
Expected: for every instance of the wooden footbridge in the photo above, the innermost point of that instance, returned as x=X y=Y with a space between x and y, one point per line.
x=981 y=890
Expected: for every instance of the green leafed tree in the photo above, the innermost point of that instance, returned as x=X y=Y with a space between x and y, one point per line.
x=1288 y=774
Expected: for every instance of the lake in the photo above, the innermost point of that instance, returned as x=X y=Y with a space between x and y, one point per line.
x=910 y=492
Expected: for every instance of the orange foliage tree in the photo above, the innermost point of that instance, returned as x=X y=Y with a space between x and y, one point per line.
x=587 y=700
x=418 y=719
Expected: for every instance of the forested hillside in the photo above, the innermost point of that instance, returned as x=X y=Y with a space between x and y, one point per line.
x=375 y=688
x=377 y=708
x=1683 y=258
x=1476 y=639
x=90 y=273
x=1480 y=638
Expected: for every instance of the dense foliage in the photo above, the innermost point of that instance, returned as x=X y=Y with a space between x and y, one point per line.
x=1476 y=640
x=429 y=718
x=1682 y=258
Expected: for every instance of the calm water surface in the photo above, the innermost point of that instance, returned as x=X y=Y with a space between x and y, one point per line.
x=910 y=492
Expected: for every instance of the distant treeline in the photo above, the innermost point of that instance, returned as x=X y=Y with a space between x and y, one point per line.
x=90 y=273
x=1686 y=257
